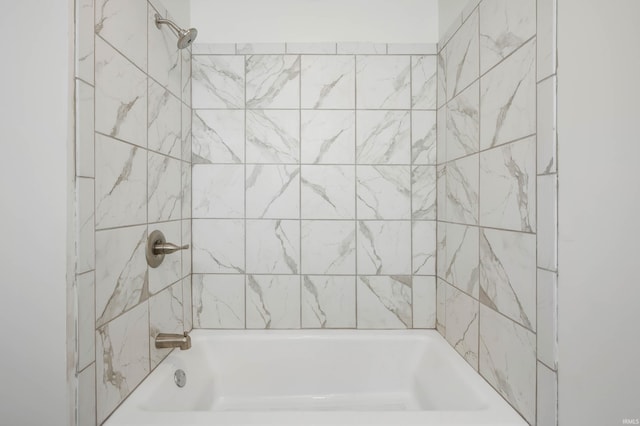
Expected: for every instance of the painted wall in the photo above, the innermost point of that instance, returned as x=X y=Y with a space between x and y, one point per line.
x=598 y=154
x=304 y=21
x=35 y=176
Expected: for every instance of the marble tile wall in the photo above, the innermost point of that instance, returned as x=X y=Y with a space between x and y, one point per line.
x=497 y=197
x=133 y=175
x=314 y=186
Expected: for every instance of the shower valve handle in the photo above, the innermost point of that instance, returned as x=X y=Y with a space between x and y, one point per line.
x=168 y=248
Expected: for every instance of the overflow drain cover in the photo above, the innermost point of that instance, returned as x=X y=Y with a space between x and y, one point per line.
x=180 y=378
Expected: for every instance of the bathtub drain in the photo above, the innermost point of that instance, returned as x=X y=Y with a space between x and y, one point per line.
x=180 y=377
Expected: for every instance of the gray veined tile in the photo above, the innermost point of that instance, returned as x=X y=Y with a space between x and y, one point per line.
x=218 y=301
x=508 y=274
x=165 y=188
x=85 y=225
x=122 y=23
x=423 y=179
x=85 y=31
x=547 y=396
x=187 y=306
x=186 y=189
x=546 y=126
x=412 y=48
x=508 y=99
x=459 y=260
x=328 y=137
x=462 y=190
x=462 y=57
x=273 y=191
x=170 y=270
x=423 y=134
x=462 y=322
x=121 y=271
x=87 y=396
x=328 y=247
x=120 y=96
x=548 y=222
x=273 y=301
x=383 y=82
x=547 y=327
x=383 y=137
x=504 y=26
x=312 y=48
x=186 y=254
x=508 y=360
x=384 y=302
x=463 y=123
x=441 y=192
x=218 y=191
x=165 y=62
x=362 y=48
x=424 y=247
x=441 y=305
x=328 y=82
x=273 y=81
x=85 y=140
x=218 y=136
x=218 y=246
x=185 y=79
x=261 y=48
x=384 y=248
x=122 y=358
x=441 y=88
x=328 y=192
x=187 y=146
x=121 y=183
x=86 y=324
x=217 y=81
x=508 y=186
x=328 y=301
x=273 y=246
x=424 y=302
x=273 y=136
x=213 y=48
x=164 y=128
x=384 y=192
x=441 y=136
x=546 y=36
x=165 y=316
x=424 y=81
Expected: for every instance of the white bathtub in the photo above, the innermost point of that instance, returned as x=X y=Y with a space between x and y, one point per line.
x=281 y=378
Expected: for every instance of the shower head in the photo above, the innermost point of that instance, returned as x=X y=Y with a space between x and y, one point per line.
x=185 y=37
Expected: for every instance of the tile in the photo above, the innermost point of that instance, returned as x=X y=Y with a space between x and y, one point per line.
x=217 y=81
x=164 y=128
x=504 y=26
x=424 y=302
x=273 y=191
x=462 y=186
x=546 y=127
x=459 y=258
x=383 y=137
x=170 y=270
x=188 y=305
x=362 y=48
x=328 y=247
x=121 y=183
x=508 y=99
x=441 y=136
x=218 y=191
x=165 y=188
x=508 y=274
x=547 y=330
x=186 y=254
x=164 y=56
x=85 y=31
x=328 y=301
x=273 y=301
x=508 y=186
x=273 y=136
x=273 y=246
x=447 y=33
x=384 y=248
x=463 y=319
x=441 y=192
x=462 y=60
x=548 y=218
x=328 y=82
x=119 y=22
x=423 y=81
x=312 y=48
x=383 y=82
x=423 y=137
x=86 y=319
x=120 y=96
x=412 y=48
x=218 y=301
x=213 y=48
x=260 y=48
x=273 y=81
x=85 y=225
x=121 y=271
x=87 y=396
x=441 y=305
x=185 y=76
x=547 y=400
x=546 y=37
x=218 y=136
x=441 y=88
x=218 y=246
x=85 y=143
x=463 y=123
x=328 y=192
x=165 y=316
x=508 y=361
x=384 y=192
x=186 y=186
x=328 y=137
x=187 y=133
x=423 y=187
x=122 y=354
x=384 y=302
x=424 y=247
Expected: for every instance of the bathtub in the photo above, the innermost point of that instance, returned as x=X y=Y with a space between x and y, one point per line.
x=325 y=377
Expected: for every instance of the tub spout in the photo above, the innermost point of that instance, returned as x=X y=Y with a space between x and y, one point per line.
x=168 y=340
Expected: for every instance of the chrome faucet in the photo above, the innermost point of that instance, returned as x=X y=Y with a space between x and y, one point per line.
x=168 y=340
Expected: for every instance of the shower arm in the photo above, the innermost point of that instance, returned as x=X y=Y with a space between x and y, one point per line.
x=160 y=20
